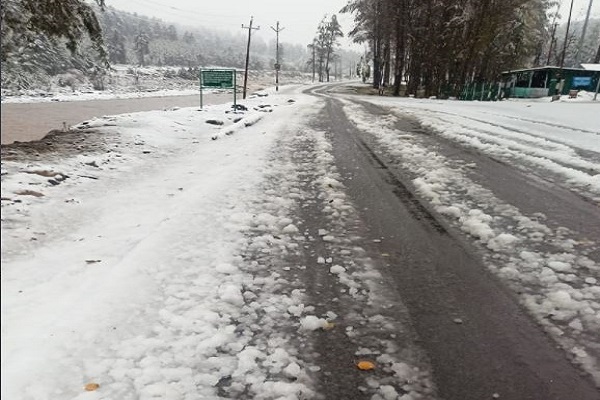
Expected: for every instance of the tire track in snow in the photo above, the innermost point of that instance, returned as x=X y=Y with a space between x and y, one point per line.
x=370 y=322
x=549 y=270
x=303 y=236
x=573 y=171
x=548 y=124
x=520 y=142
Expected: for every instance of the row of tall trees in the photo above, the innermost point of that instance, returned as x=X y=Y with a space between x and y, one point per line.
x=437 y=46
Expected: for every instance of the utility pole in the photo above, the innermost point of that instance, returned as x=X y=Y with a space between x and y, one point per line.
x=250 y=28
x=560 y=80
x=553 y=39
x=277 y=65
x=552 y=42
x=564 y=51
x=581 y=39
x=313 y=46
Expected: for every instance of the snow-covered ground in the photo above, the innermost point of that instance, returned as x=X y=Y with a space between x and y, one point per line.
x=155 y=262
x=130 y=82
x=156 y=258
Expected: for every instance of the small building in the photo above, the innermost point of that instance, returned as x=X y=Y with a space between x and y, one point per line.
x=549 y=80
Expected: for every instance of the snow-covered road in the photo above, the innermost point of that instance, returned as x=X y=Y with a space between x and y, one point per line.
x=530 y=204
x=166 y=254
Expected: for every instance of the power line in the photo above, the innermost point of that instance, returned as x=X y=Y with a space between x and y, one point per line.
x=188 y=15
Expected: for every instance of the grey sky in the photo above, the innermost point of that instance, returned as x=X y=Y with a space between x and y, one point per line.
x=579 y=9
x=298 y=18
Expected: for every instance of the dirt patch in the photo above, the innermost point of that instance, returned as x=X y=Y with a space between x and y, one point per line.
x=57 y=145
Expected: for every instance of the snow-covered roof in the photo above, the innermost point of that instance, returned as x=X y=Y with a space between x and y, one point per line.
x=545 y=68
x=591 y=67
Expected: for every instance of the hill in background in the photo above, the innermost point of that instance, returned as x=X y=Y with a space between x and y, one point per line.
x=176 y=52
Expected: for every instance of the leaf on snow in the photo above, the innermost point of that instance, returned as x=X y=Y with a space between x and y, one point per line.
x=90 y=387
x=365 y=365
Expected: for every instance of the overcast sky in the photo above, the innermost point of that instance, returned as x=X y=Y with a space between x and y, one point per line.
x=298 y=18
x=579 y=9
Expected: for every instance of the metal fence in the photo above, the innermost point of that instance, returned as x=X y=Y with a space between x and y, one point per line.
x=483 y=92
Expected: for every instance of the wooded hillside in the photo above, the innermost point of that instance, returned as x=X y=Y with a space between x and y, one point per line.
x=30 y=58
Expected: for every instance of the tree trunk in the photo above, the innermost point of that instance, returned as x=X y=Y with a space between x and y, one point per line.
x=400 y=47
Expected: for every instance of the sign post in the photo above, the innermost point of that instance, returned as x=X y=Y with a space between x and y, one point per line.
x=218 y=79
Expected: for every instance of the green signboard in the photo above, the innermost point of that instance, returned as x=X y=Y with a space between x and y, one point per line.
x=218 y=79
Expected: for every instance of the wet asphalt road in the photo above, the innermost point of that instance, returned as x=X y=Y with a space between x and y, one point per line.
x=25 y=122
x=564 y=207
x=497 y=347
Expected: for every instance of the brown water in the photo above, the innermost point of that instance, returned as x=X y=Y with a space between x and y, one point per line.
x=25 y=122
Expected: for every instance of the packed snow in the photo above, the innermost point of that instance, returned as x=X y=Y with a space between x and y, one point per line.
x=165 y=261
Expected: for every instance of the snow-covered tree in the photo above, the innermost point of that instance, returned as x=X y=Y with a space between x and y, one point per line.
x=142 y=47
x=438 y=46
x=325 y=43
x=23 y=20
x=116 y=44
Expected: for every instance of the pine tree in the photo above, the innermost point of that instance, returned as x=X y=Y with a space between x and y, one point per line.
x=116 y=48
x=142 y=48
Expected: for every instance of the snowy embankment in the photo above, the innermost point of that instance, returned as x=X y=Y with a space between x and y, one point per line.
x=122 y=82
x=132 y=82
x=152 y=256
x=101 y=95
x=547 y=266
